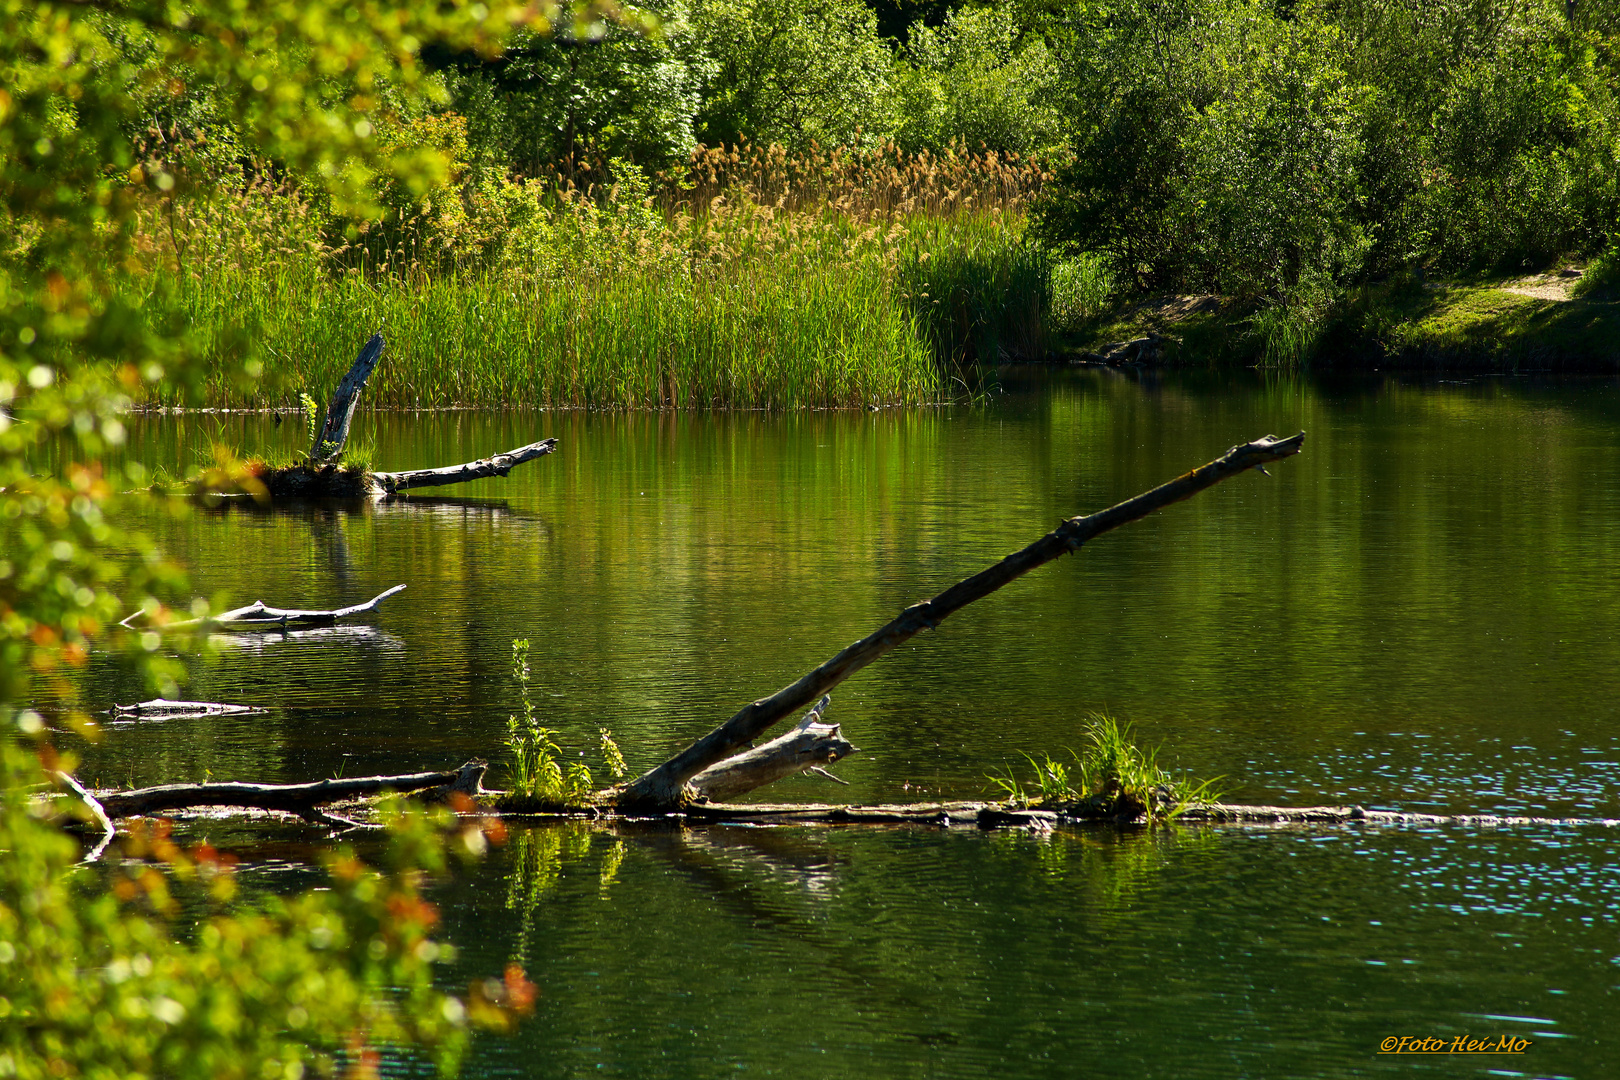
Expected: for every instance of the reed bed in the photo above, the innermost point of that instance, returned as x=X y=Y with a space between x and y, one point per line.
x=875 y=287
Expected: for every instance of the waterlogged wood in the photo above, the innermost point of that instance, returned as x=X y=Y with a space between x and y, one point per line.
x=334 y=430
x=810 y=746
x=302 y=799
x=668 y=785
x=391 y=483
x=1001 y=816
x=259 y=613
x=164 y=709
x=97 y=811
x=1227 y=814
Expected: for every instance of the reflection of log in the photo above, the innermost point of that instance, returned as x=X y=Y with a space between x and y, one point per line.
x=334 y=430
x=164 y=709
x=668 y=784
x=390 y=483
x=809 y=746
x=258 y=614
x=301 y=799
x=97 y=811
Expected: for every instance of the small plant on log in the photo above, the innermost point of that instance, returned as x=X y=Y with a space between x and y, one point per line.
x=1113 y=778
x=539 y=780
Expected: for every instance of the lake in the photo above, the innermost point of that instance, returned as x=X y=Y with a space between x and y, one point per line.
x=1420 y=612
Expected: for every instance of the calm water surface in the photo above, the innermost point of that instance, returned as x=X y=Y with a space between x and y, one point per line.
x=1420 y=612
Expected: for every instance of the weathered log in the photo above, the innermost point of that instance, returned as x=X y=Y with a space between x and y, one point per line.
x=301 y=799
x=259 y=613
x=809 y=746
x=164 y=709
x=334 y=430
x=668 y=784
x=999 y=816
x=391 y=483
x=97 y=811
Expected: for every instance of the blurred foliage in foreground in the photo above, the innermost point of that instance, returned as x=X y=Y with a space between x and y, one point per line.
x=95 y=978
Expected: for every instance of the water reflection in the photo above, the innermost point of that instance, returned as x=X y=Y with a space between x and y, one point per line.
x=897 y=952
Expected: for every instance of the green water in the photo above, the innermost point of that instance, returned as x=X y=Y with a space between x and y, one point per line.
x=1419 y=612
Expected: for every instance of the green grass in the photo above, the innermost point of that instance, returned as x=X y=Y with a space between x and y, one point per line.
x=752 y=339
x=743 y=310
x=1109 y=778
x=1478 y=324
x=1469 y=323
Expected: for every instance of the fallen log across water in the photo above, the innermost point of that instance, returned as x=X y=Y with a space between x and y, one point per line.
x=164 y=709
x=669 y=786
x=259 y=614
x=312 y=480
x=305 y=800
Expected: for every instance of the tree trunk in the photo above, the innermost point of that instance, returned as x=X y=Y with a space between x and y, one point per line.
x=259 y=614
x=334 y=430
x=301 y=799
x=391 y=483
x=668 y=785
x=808 y=747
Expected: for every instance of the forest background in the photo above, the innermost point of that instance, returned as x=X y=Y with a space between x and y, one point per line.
x=755 y=203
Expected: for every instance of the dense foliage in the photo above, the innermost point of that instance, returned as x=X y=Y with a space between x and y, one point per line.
x=1283 y=151
x=95 y=979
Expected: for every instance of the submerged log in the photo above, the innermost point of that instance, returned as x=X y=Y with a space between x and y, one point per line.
x=301 y=799
x=668 y=785
x=164 y=709
x=334 y=429
x=391 y=483
x=810 y=746
x=259 y=614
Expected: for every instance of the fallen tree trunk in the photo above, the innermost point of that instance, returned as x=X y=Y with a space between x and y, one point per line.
x=301 y=799
x=668 y=785
x=809 y=747
x=334 y=481
x=334 y=429
x=391 y=483
x=164 y=709
x=259 y=614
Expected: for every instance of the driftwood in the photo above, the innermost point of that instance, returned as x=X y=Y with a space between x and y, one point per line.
x=97 y=811
x=334 y=430
x=668 y=785
x=989 y=815
x=304 y=800
x=390 y=483
x=259 y=614
x=164 y=709
x=809 y=747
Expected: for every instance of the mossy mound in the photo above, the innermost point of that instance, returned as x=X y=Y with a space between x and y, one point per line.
x=333 y=481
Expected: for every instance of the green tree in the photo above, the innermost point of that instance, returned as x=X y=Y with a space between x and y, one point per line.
x=793 y=72
x=974 y=81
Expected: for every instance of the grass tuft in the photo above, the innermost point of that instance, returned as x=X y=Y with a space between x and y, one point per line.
x=1110 y=778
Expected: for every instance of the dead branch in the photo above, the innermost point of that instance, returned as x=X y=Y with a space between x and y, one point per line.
x=334 y=431
x=259 y=613
x=669 y=784
x=164 y=709
x=301 y=799
x=808 y=747
x=96 y=809
x=391 y=483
